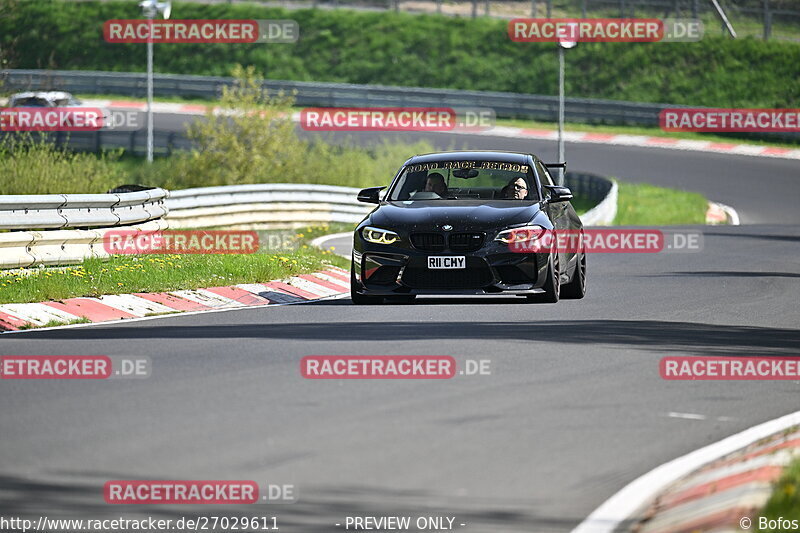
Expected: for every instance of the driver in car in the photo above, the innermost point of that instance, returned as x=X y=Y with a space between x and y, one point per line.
x=517 y=189
x=435 y=183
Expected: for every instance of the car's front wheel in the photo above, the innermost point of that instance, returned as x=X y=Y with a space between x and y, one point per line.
x=361 y=299
x=552 y=284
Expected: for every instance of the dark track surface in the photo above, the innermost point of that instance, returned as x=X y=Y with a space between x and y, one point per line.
x=574 y=408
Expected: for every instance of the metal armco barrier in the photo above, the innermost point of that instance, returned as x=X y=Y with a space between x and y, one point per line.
x=264 y=206
x=274 y=205
x=58 y=211
x=60 y=247
x=600 y=191
x=54 y=213
x=133 y=142
x=342 y=95
x=259 y=206
x=319 y=94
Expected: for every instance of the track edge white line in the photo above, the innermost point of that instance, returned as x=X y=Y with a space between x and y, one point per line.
x=320 y=241
x=733 y=215
x=622 y=507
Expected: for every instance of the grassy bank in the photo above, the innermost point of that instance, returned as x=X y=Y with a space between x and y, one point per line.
x=649 y=205
x=41 y=168
x=152 y=273
x=784 y=503
x=391 y=48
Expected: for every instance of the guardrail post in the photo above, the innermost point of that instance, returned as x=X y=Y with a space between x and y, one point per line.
x=549 y=8
x=767 y=21
x=583 y=8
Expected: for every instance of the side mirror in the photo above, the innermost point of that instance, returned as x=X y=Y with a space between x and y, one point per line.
x=559 y=193
x=370 y=195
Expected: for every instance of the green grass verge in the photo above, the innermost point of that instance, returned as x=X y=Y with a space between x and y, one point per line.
x=784 y=503
x=649 y=205
x=581 y=204
x=54 y=323
x=152 y=273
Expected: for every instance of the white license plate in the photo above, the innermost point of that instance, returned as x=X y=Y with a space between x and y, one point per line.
x=450 y=261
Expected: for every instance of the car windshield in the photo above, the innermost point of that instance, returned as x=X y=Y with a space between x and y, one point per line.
x=464 y=180
x=31 y=101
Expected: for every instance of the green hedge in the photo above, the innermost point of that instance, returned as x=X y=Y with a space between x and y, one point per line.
x=414 y=50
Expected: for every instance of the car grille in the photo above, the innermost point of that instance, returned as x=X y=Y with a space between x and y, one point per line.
x=476 y=275
x=459 y=242
x=466 y=242
x=430 y=242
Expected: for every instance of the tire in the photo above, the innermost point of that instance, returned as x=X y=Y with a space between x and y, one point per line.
x=576 y=288
x=552 y=285
x=361 y=299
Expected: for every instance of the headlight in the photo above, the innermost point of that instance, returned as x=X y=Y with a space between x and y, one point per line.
x=379 y=236
x=521 y=234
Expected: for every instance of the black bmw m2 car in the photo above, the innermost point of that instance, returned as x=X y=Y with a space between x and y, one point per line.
x=450 y=223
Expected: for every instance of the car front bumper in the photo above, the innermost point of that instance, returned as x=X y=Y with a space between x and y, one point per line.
x=386 y=270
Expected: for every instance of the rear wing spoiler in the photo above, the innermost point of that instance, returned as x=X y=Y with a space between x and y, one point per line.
x=557 y=165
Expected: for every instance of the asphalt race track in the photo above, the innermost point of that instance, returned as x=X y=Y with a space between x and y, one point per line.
x=573 y=410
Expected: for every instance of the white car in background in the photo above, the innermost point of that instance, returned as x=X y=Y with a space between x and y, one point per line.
x=49 y=99
x=43 y=99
